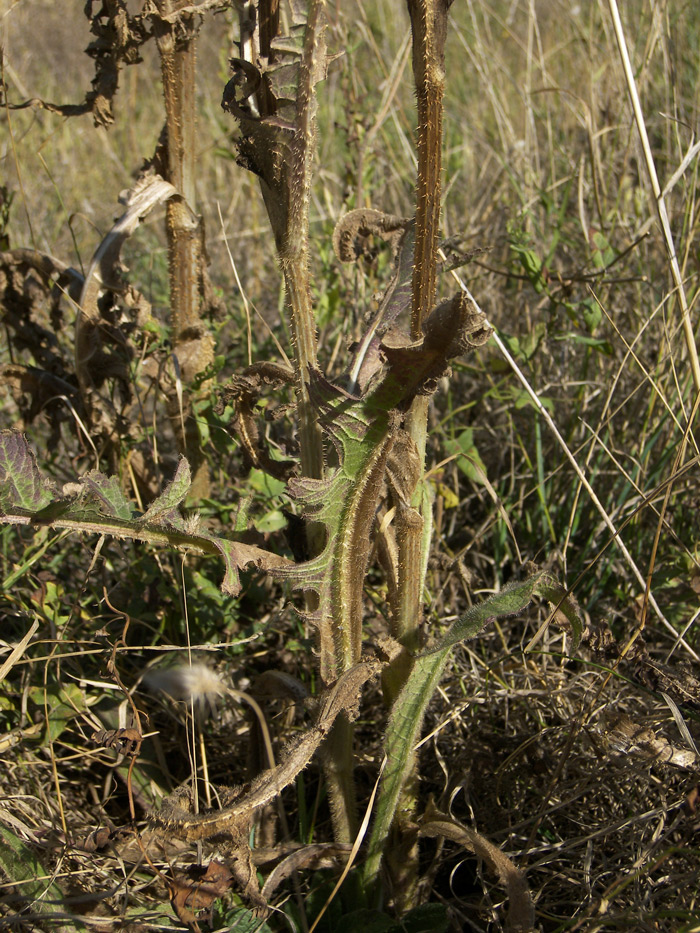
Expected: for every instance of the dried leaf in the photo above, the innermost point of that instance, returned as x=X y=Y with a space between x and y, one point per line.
x=314 y=857
x=353 y=230
x=244 y=391
x=92 y=362
x=197 y=889
x=125 y=741
x=629 y=738
x=521 y=912
x=96 y=840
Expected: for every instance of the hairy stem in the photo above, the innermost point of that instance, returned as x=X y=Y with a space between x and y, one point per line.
x=194 y=347
x=338 y=764
x=294 y=245
x=429 y=29
x=414 y=517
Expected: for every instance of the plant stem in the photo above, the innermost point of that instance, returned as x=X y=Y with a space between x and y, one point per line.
x=429 y=30
x=194 y=346
x=177 y=60
x=414 y=518
x=338 y=766
x=294 y=245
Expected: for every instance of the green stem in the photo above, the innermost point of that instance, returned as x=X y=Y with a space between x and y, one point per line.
x=338 y=764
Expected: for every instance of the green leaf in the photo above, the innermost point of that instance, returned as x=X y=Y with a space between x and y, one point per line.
x=602 y=346
x=533 y=267
x=523 y=399
x=591 y=314
x=273 y=520
x=104 y=495
x=172 y=496
x=468 y=459
x=21 y=485
x=449 y=497
x=96 y=504
x=243 y=920
x=265 y=484
x=603 y=253
x=584 y=314
x=61 y=703
x=409 y=709
x=21 y=866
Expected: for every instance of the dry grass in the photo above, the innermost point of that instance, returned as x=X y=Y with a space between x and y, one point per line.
x=545 y=170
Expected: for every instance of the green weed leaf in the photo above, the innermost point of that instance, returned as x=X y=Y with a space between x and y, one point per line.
x=409 y=709
x=21 y=485
x=591 y=314
x=172 y=496
x=61 y=703
x=244 y=921
x=468 y=459
x=20 y=864
x=96 y=504
x=523 y=399
x=602 y=251
x=102 y=495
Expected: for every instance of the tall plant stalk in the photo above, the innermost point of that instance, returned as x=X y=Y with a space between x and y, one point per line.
x=294 y=245
x=176 y=30
x=414 y=516
x=282 y=158
x=429 y=32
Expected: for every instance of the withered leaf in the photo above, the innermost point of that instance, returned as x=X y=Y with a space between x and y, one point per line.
x=521 y=912
x=243 y=391
x=96 y=840
x=125 y=741
x=317 y=856
x=353 y=230
x=197 y=889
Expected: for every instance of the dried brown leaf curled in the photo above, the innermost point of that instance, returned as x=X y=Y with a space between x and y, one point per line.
x=196 y=890
x=96 y=840
x=353 y=230
x=243 y=391
x=313 y=857
x=125 y=741
x=627 y=737
x=521 y=913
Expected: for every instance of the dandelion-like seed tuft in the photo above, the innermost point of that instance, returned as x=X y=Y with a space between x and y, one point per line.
x=195 y=684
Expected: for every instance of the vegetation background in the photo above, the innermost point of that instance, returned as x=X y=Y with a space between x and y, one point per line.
x=543 y=172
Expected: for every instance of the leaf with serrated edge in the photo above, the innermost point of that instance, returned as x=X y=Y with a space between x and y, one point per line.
x=173 y=494
x=106 y=494
x=96 y=505
x=21 y=484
